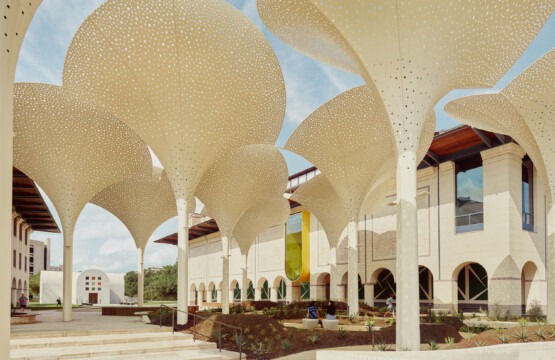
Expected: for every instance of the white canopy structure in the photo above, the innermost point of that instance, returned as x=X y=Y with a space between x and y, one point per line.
x=195 y=79
x=350 y=141
x=16 y=17
x=247 y=176
x=73 y=150
x=142 y=204
x=411 y=54
x=268 y=213
x=524 y=110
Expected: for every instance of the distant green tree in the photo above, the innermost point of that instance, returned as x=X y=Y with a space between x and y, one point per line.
x=131 y=283
x=162 y=284
x=34 y=285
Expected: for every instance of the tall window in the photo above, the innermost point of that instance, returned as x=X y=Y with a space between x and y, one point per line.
x=527 y=194
x=19 y=261
x=14 y=227
x=470 y=195
x=14 y=259
x=20 y=230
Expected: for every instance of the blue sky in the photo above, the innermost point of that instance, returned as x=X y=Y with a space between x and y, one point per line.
x=101 y=241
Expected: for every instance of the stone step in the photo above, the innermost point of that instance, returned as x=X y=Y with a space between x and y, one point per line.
x=204 y=354
x=67 y=341
x=71 y=333
x=104 y=350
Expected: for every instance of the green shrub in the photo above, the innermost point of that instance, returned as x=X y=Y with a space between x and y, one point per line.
x=432 y=345
x=535 y=312
x=521 y=335
x=341 y=333
x=286 y=345
x=504 y=338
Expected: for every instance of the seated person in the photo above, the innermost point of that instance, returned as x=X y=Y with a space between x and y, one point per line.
x=330 y=311
x=312 y=313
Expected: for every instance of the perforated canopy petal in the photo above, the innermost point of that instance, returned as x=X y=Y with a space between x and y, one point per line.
x=193 y=78
x=242 y=179
x=268 y=213
x=72 y=148
x=349 y=140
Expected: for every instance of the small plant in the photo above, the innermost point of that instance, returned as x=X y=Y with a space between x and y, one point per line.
x=258 y=349
x=535 y=311
x=313 y=339
x=504 y=338
x=239 y=340
x=480 y=343
x=498 y=329
x=540 y=334
x=218 y=334
x=352 y=318
x=449 y=340
x=404 y=348
x=521 y=335
x=522 y=322
x=341 y=333
x=369 y=323
x=432 y=345
x=286 y=345
x=383 y=346
x=552 y=332
x=390 y=321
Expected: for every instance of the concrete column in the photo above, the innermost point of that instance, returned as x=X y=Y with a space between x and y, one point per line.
x=445 y=295
x=192 y=294
x=244 y=278
x=182 y=261
x=140 y=276
x=333 y=274
x=293 y=293
x=219 y=296
x=369 y=294
x=274 y=294
x=352 y=295
x=257 y=294
x=14 y=26
x=67 y=272
x=408 y=320
x=550 y=263
x=225 y=275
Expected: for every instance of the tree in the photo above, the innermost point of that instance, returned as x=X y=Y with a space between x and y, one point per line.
x=34 y=284
x=130 y=280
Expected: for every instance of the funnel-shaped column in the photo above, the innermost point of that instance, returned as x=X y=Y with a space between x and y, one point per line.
x=173 y=91
x=340 y=139
x=246 y=177
x=73 y=150
x=142 y=204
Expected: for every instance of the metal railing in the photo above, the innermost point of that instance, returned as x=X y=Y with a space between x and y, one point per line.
x=174 y=311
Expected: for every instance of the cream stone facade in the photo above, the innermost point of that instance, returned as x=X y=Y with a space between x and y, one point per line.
x=20 y=257
x=500 y=266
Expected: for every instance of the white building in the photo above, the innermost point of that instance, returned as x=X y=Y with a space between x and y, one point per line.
x=89 y=287
x=29 y=213
x=481 y=237
x=39 y=256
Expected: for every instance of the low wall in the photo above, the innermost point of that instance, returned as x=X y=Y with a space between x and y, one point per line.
x=131 y=310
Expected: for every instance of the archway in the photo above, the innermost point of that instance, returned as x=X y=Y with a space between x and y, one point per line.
x=265 y=291
x=236 y=291
x=472 y=287
x=194 y=294
x=323 y=286
x=529 y=289
x=345 y=285
x=426 y=286
x=384 y=286
x=213 y=292
x=250 y=291
x=202 y=292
